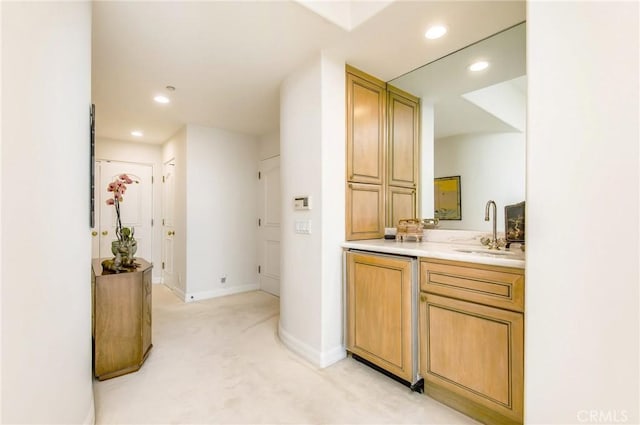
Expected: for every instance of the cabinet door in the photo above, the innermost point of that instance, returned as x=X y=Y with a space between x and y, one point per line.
x=365 y=211
x=471 y=357
x=403 y=116
x=366 y=106
x=401 y=204
x=379 y=311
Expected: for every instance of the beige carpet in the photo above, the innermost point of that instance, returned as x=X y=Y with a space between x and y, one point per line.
x=220 y=361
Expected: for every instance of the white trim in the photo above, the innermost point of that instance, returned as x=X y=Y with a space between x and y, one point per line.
x=332 y=356
x=90 y=419
x=318 y=358
x=177 y=291
x=221 y=292
x=156 y=280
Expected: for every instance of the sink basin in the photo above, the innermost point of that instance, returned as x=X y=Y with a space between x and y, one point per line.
x=486 y=252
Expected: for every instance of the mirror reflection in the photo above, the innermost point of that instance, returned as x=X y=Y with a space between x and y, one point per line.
x=474 y=126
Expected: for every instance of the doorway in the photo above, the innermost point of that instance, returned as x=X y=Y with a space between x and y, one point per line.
x=136 y=210
x=269 y=226
x=168 y=223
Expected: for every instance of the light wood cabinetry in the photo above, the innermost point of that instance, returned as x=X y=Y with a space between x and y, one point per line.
x=382 y=152
x=121 y=319
x=401 y=204
x=379 y=311
x=366 y=115
x=364 y=210
x=472 y=338
x=403 y=113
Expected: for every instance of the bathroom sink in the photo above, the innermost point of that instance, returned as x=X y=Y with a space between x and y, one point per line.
x=486 y=252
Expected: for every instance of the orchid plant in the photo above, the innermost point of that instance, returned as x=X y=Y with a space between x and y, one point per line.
x=119 y=187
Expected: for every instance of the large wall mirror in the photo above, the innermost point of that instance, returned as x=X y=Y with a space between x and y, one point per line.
x=474 y=125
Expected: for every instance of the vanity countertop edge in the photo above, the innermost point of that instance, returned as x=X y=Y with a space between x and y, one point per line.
x=442 y=251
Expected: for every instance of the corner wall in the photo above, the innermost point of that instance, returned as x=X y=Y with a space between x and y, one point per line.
x=46 y=242
x=582 y=296
x=312 y=132
x=222 y=205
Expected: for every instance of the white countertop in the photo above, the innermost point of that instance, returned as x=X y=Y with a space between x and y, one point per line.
x=442 y=250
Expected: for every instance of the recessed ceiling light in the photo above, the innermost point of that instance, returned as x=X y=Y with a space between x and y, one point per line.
x=161 y=99
x=435 y=31
x=478 y=66
x=136 y=133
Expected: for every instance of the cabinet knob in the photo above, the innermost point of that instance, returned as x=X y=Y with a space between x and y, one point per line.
x=94 y=233
x=105 y=233
x=423 y=298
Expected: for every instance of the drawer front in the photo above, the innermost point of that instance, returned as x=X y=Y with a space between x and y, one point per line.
x=501 y=287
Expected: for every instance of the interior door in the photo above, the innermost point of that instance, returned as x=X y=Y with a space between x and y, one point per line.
x=168 y=220
x=269 y=226
x=135 y=209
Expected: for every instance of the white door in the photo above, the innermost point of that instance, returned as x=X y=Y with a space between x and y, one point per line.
x=269 y=226
x=168 y=220
x=136 y=210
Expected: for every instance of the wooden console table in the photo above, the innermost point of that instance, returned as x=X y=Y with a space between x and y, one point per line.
x=120 y=319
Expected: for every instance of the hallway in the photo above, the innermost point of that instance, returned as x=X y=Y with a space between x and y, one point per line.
x=220 y=361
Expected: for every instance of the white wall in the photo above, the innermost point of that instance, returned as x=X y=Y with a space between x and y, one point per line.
x=490 y=166
x=312 y=163
x=222 y=205
x=269 y=145
x=333 y=211
x=176 y=148
x=582 y=306
x=300 y=168
x=142 y=153
x=46 y=246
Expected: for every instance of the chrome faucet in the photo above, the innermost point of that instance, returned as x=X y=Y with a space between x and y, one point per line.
x=493 y=243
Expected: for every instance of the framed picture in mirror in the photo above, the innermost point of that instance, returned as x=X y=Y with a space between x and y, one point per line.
x=447 y=203
x=514 y=223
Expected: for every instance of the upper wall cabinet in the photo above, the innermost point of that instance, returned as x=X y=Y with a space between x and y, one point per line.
x=366 y=113
x=382 y=155
x=403 y=113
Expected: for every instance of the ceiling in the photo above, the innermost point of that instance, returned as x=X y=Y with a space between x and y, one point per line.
x=228 y=59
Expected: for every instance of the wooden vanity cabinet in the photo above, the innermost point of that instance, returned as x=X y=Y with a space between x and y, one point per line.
x=121 y=319
x=472 y=338
x=379 y=312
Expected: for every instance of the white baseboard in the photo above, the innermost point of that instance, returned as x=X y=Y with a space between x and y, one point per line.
x=318 y=358
x=177 y=291
x=221 y=292
x=156 y=280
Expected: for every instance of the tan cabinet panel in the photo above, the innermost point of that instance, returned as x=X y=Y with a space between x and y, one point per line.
x=365 y=211
x=472 y=356
x=366 y=112
x=401 y=204
x=501 y=287
x=379 y=311
x=403 y=116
